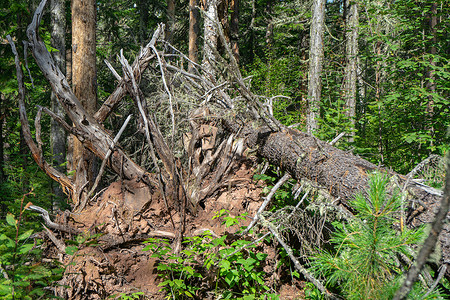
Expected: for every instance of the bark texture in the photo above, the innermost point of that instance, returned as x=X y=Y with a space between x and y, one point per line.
x=234 y=28
x=84 y=78
x=85 y=127
x=351 y=39
x=210 y=36
x=340 y=173
x=194 y=15
x=58 y=135
x=315 y=64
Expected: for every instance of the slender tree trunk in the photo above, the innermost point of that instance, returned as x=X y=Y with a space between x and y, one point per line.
x=351 y=37
x=194 y=15
x=252 y=32
x=234 y=28
x=315 y=65
x=58 y=134
x=210 y=35
x=431 y=85
x=143 y=21
x=84 y=79
x=170 y=20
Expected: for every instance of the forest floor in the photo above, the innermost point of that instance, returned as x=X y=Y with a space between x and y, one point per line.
x=130 y=212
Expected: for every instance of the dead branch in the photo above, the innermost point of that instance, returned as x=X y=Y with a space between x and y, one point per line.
x=267 y=200
x=45 y=215
x=297 y=264
x=430 y=242
x=59 y=244
x=91 y=133
x=66 y=183
x=139 y=65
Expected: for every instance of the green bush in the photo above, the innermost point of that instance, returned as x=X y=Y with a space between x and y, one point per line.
x=214 y=260
x=23 y=275
x=365 y=261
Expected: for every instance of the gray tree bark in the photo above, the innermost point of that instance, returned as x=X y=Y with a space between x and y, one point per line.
x=234 y=28
x=210 y=35
x=351 y=53
x=57 y=133
x=315 y=65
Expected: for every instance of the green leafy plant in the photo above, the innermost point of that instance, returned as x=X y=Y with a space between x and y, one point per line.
x=364 y=263
x=22 y=275
x=215 y=260
x=124 y=296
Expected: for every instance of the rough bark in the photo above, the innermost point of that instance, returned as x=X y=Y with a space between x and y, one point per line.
x=315 y=65
x=194 y=15
x=340 y=173
x=84 y=79
x=210 y=36
x=351 y=53
x=431 y=85
x=57 y=134
x=170 y=20
x=234 y=28
x=85 y=127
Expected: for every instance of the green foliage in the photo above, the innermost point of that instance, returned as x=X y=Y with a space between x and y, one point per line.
x=364 y=263
x=23 y=275
x=124 y=296
x=216 y=260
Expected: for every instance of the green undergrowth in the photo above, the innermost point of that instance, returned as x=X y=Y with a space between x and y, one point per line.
x=368 y=257
x=23 y=275
x=210 y=263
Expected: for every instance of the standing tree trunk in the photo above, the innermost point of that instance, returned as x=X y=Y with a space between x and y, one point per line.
x=193 y=32
x=210 y=36
x=84 y=81
x=431 y=85
x=143 y=21
x=58 y=134
x=234 y=28
x=315 y=65
x=170 y=20
x=351 y=39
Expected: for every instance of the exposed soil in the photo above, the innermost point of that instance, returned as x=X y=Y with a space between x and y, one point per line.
x=129 y=212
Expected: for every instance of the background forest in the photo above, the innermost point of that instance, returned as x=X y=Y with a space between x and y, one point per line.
x=384 y=81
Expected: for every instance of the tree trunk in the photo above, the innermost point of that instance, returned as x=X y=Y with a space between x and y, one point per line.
x=57 y=134
x=431 y=85
x=210 y=36
x=143 y=21
x=339 y=173
x=315 y=65
x=234 y=28
x=84 y=79
x=351 y=39
x=170 y=20
x=194 y=15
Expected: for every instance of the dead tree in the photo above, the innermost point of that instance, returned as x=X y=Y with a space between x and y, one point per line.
x=228 y=122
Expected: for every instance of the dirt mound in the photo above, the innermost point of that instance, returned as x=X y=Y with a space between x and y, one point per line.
x=110 y=260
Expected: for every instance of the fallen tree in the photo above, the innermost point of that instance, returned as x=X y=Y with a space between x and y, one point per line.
x=226 y=122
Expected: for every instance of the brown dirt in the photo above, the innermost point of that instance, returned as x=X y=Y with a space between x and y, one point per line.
x=128 y=212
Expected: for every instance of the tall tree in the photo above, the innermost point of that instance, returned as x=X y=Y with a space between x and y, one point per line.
x=209 y=34
x=234 y=28
x=170 y=20
x=351 y=41
x=84 y=78
x=143 y=21
x=315 y=65
x=58 y=135
x=194 y=14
